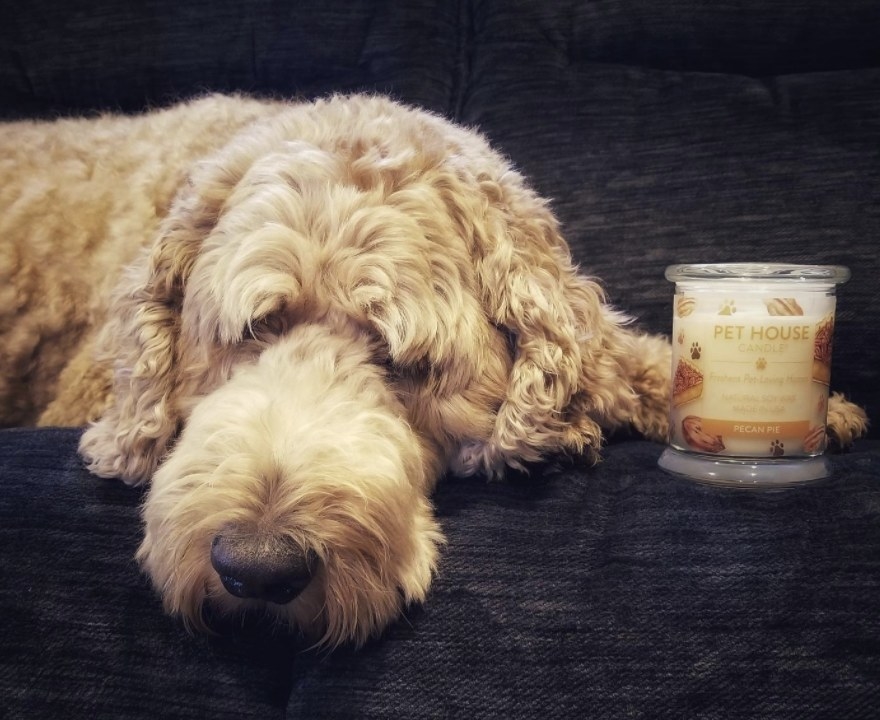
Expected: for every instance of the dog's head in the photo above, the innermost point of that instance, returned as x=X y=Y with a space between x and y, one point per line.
x=299 y=487
x=340 y=305
x=294 y=361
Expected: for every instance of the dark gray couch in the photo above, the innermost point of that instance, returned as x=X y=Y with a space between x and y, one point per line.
x=664 y=132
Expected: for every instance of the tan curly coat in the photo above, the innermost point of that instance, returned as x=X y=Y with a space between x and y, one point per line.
x=292 y=319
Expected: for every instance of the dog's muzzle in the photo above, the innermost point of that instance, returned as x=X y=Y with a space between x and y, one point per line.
x=253 y=566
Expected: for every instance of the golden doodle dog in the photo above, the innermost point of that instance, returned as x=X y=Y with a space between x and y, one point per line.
x=291 y=319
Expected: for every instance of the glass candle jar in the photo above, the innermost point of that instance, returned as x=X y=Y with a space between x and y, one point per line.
x=751 y=366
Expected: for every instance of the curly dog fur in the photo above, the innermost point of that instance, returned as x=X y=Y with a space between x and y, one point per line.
x=291 y=319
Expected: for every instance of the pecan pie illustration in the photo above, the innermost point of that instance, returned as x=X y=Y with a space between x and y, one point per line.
x=687 y=383
x=697 y=438
x=783 y=306
x=815 y=440
x=822 y=345
x=685 y=306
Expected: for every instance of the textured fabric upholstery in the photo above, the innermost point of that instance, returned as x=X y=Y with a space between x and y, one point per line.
x=616 y=592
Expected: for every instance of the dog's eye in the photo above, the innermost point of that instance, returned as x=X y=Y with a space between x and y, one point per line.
x=265 y=328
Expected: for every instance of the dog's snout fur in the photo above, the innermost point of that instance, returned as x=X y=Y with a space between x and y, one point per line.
x=307 y=442
x=319 y=309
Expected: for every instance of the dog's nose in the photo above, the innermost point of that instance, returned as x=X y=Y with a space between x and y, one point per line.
x=251 y=565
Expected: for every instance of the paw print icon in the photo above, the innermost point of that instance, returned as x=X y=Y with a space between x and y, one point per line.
x=696 y=351
x=777 y=449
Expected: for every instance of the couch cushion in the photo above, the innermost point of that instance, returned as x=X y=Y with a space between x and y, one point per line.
x=664 y=132
x=655 y=157
x=78 y=55
x=614 y=592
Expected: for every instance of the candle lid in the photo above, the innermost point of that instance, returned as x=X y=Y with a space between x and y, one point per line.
x=765 y=272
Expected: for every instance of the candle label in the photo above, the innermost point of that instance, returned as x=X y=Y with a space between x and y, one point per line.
x=750 y=373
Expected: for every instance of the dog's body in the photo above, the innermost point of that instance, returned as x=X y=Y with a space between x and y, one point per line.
x=318 y=309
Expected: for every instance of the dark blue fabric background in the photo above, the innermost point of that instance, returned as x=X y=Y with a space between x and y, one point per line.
x=613 y=592
x=664 y=132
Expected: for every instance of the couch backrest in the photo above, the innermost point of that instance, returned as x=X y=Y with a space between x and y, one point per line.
x=663 y=131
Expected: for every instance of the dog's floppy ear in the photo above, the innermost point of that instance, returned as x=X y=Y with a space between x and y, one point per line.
x=140 y=340
x=564 y=371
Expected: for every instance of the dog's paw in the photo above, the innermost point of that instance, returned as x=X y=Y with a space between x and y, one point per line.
x=417 y=571
x=846 y=421
x=469 y=460
x=480 y=458
x=106 y=455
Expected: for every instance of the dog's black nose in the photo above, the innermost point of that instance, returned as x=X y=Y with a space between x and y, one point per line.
x=251 y=565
